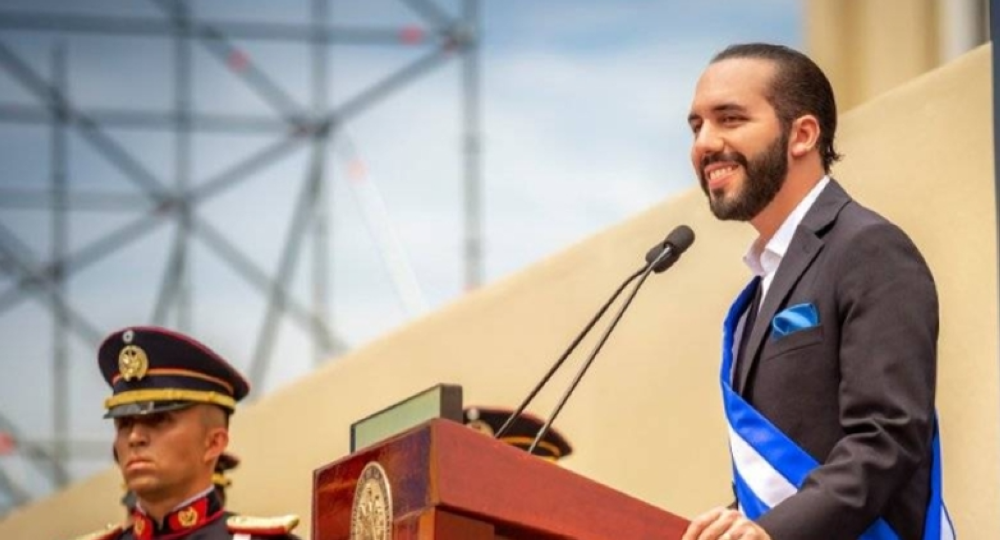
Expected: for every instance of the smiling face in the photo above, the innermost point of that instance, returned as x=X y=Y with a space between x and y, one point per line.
x=740 y=149
x=169 y=455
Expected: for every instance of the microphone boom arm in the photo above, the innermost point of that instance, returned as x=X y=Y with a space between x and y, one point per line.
x=555 y=367
x=666 y=253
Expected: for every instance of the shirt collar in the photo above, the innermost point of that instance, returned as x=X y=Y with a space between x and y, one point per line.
x=765 y=262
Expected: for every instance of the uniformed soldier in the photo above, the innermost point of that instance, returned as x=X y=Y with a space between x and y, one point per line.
x=489 y=420
x=171 y=402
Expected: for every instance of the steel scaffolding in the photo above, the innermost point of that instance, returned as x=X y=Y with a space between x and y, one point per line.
x=295 y=125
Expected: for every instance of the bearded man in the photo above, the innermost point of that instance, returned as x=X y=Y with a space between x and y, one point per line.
x=830 y=352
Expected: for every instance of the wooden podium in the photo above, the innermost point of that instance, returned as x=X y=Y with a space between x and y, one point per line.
x=446 y=481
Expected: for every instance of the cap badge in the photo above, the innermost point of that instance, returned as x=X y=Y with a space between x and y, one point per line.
x=132 y=362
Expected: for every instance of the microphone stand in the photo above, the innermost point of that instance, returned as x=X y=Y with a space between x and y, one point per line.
x=555 y=367
x=590 y=360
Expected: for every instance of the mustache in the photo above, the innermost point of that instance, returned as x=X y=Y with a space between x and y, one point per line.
x=734 y=157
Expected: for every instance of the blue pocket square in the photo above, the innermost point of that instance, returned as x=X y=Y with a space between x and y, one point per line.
x=793 y=319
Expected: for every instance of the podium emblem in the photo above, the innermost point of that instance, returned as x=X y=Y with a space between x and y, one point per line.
x=371 y=512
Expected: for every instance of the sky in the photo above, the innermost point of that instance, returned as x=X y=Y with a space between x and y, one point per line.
x=583 y=125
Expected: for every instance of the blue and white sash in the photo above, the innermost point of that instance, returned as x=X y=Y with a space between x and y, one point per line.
x=768 y=467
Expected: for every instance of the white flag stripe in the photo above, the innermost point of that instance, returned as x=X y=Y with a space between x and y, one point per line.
x=772 y=488
x=766 y=483
x=947 y=532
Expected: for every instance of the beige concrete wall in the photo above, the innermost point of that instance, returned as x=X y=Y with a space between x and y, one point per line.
x=870 y=46
x=647 y=420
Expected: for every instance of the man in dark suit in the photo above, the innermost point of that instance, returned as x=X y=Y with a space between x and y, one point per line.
x=829 y=357
x=171 y=402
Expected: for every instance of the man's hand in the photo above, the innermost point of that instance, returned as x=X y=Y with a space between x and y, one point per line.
x=724 y=524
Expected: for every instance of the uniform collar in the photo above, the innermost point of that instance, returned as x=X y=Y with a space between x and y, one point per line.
x=189 y=516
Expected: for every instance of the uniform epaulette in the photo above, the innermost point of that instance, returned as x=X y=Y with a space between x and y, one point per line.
x=109 y=532
x=263 y=526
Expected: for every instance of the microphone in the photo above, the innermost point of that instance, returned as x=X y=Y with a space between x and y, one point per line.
x=679 y=236
x=658 y=259
x=670 y=249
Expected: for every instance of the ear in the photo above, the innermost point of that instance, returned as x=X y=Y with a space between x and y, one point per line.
x=216 y=442
x=804 y=136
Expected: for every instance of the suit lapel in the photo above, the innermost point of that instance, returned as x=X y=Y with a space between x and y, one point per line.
x=806 y=244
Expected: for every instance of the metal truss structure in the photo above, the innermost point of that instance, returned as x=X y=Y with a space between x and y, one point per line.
x=175 y=196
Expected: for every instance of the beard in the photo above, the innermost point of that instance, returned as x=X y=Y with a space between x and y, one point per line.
x=765 y=175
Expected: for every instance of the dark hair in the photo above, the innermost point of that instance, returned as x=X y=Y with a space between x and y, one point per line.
x=799 y=87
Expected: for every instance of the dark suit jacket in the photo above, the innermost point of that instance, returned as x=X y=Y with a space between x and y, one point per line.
x=857 y=391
